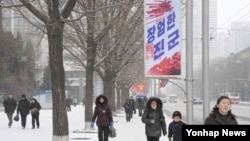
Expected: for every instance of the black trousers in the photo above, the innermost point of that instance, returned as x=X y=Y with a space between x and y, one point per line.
x=128 y=117
x=140 y=111
x=153 y=138
x=23 y=120
x=103 y=133
x=35 y=119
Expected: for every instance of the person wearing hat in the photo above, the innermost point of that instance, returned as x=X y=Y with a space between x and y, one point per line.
x=35 y=108
x=175 y=127
x=23 y=109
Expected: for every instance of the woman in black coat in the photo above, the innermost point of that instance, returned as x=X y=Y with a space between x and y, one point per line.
x=154 y=119
x=35 y=108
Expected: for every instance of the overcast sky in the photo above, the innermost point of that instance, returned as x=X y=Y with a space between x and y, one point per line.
x=231 y=10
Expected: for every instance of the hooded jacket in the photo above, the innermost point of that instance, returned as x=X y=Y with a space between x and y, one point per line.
x=159 y=125
x=215 y=118
x=35 y=107
x=102 y=112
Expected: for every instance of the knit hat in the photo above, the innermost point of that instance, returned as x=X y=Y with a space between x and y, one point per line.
x=176 y=113
x=23 y=96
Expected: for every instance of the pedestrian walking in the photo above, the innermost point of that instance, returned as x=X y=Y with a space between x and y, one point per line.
x=68 y=104
x=104 y=117
x=10 y=105
x=35 y=112
x=140 y=105
x=75 y=101
x=23 y=109
x=132 y=102
x=128 y=109
x=154 y=120
x=221 y=113
x=175 y=127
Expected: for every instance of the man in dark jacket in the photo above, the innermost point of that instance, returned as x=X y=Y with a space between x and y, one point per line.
x=23 y=109
x=128 y=109
x=140 y=105
x=10 y=107
x=35 y=111
x=154 y=119
x=104 y=117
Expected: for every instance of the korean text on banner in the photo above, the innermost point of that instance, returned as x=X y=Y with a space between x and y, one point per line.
x=162 y=38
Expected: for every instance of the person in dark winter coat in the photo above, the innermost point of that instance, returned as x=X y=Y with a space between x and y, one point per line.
x=154 y=119
x=132 y=102
x=128 y=109
x=140 y=105
x=175 y=127
x=104 y=117
x=221 y=113
x=23 y=109
x=68 y=104
x=10 y=105
x=35 y=112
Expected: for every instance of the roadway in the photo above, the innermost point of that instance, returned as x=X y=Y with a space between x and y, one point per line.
x=241 y=110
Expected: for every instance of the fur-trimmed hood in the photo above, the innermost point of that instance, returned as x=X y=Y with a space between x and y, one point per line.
x=158 y=101
x=97 y=100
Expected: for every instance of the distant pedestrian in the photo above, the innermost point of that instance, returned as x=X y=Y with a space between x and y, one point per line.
x=68 y=104
x=75 y=101
x=10 y=105
x=175 y=127
x=23 y=109
x=104 y=117
x=35 y=111
x=221 y=113
x=140 y=105
x=154 y=119
x=132 y=102
x=128 y=109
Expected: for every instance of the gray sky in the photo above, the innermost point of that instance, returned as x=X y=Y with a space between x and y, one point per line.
x=231 y=10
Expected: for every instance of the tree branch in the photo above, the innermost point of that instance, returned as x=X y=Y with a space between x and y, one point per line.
x=43 y=17
x=67 y=8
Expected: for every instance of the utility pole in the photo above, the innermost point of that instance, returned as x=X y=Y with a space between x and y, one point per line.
x=189 y=60
x=205 y=56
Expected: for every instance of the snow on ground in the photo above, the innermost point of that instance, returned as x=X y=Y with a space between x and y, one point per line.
x=126 y=131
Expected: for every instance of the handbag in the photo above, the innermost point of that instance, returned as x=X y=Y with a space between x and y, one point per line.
x=16 y=118
x=112 y=132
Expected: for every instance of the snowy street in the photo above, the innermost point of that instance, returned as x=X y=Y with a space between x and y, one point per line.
x=126 y=131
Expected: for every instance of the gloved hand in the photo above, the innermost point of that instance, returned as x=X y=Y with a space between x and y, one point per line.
x=152 y=121
x=111 y=124
x=169 y=139
x=164 y=133
x=92 y=124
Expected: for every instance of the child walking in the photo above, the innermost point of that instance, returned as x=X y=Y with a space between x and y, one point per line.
x=174 y=128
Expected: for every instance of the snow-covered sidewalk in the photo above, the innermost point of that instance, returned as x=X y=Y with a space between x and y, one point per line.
x=126 y=131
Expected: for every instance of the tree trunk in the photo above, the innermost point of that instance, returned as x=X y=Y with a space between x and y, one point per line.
x=91 y=55
x=118 y=97
x=109 y=89
x=60 y=119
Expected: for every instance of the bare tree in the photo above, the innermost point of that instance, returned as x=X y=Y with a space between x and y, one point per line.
x=54 y=20
x=106 y=30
